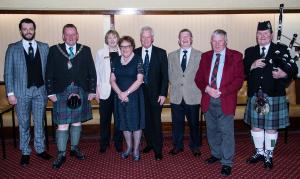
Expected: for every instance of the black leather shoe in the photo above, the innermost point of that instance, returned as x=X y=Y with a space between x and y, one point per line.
x=24 y=160
x=175 y=151
x=119 y=148
x=77 y=153
x=212 y=160
x=44 y=155
x=158 y=156
x=268 y=163
x=102 y=150
x=147 y=149
x=255 y=158
x=58 y=162
x=196 y=152
x=226 y=170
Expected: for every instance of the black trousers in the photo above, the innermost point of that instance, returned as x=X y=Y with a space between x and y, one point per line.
x=153 y=127
x=106 y=111
x=191 y=113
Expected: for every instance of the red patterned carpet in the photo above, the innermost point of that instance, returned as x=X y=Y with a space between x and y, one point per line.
x=183 y=165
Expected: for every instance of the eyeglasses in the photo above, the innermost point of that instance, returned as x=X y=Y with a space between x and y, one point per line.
x=126 y=47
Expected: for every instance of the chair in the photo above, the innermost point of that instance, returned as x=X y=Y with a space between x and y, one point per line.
x=4 y=108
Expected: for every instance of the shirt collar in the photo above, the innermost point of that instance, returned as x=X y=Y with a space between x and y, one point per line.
x=187 y=49
x=149 y=49
x=266 y=46
x=222 y=53
x=26 y=43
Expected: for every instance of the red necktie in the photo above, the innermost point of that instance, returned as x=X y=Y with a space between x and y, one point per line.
x=213 y=79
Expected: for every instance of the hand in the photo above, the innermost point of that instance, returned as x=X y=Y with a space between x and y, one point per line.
x=91 y=96
x=123 y=96
x=161 y=100
x=278 y=73
x=12 y=100
x=212 y=92
x=53 y=98
x=259 y=63
x=97 y=97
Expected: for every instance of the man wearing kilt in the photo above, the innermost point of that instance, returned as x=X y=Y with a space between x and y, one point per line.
x=70 y=84
x=267 y=108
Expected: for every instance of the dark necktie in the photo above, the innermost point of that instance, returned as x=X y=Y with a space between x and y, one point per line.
x=71 y=54
x=263 y=54
x=30 y=51
x=183 y=61
x=146 y=67
x=213 y=79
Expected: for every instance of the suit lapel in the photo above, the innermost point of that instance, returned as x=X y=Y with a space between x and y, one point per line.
x=177 y=60
x=227 y=64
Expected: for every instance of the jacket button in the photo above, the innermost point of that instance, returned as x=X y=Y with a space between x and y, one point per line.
x=181 y=84
x=182 y=75
x=261 y=77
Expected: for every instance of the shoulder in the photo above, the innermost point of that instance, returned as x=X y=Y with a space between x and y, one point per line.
x=197 y=52
x=42 y=44
x=205 y=54
x=250 y=49
x=158 y=49
x=138 y=50
x=15 y=44
x=173 y=53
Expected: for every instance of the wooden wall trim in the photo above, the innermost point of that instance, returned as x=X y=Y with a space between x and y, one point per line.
x=148 y=12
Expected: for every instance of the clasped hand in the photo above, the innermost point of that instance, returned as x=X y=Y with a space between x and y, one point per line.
x=123 y=96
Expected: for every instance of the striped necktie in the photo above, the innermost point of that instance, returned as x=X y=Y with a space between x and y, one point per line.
x=213 y=79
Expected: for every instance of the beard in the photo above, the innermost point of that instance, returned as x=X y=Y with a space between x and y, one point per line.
x=28 y=38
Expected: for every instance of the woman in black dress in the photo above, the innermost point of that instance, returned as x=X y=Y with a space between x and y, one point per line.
x=126 y=79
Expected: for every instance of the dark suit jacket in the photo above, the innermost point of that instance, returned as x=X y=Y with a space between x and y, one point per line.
x=231 y=82
x=263 y=76
x=82 y=73
x=158 y=73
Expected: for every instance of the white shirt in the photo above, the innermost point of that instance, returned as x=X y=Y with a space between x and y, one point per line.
x=188 y=54
x=220 y=67
x=266 y=49
x=26 y=45
x=73 y=50
x=144 y=53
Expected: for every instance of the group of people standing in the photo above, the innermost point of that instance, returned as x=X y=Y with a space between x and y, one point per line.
x=131 y=85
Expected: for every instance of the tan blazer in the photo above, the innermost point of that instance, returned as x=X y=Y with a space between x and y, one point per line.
x=103 y=70
x=182 y=84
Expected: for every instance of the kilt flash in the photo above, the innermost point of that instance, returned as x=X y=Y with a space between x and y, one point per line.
x=62 y=114
x=276 y=118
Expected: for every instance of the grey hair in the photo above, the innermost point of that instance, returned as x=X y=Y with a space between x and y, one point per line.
x=147 y=28
x=220 y=32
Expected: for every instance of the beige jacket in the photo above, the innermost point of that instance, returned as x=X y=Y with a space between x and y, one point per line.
x=182 y=84
x=103 y=70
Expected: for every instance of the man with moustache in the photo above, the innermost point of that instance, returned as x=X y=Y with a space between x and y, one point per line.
x=71 y=84
x=184 y=95
x=219 y=77
x=155 y=89
x=24 y=74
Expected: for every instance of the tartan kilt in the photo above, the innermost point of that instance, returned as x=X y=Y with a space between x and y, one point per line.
x=276 y=118
x=62 y=114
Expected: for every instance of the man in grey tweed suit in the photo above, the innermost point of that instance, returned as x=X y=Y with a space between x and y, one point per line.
x=184 y=95
x=24 y=71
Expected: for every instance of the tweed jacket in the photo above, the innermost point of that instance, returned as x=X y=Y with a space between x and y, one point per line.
x=182 y=84
x=15 y=69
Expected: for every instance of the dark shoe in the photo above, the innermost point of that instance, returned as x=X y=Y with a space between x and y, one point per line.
x=226 y=170
x=147 y=149
x=44 y=155
x=212 y=160
x=268 y=163
x=255 y=158
x=119 y=148
x=158 y=156
x=175 y=151
x=58 y=162
x=136 y=157
x=102 y=150
x=196 y=152
x=25 y=160
x=125 y=154
x=77 y=153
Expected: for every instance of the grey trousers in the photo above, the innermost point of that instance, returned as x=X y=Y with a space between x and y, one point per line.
x=220 y=132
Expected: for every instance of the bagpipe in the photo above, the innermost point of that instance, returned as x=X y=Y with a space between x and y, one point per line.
x=282 y=55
